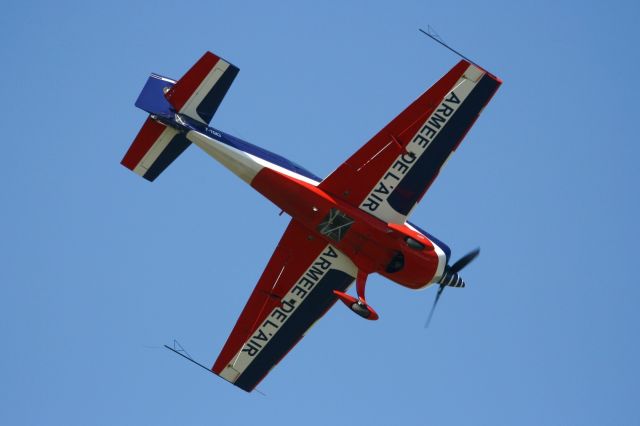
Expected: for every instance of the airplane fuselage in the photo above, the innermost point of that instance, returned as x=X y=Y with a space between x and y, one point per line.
x=399 y=252
x=344 y=227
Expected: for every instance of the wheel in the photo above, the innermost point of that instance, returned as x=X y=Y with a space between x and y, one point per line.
x=360 y=310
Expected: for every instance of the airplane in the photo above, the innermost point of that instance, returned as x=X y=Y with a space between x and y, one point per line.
x=343 y=228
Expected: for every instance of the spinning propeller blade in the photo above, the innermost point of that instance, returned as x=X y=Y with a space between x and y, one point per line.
x=465 y=260
x=454 y=269
x=435 y=302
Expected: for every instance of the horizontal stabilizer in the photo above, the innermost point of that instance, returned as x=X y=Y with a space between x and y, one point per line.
x=154 y=149
x=200 y=91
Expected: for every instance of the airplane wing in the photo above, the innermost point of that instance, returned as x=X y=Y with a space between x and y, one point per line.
x=294 y=291
x=390 y=173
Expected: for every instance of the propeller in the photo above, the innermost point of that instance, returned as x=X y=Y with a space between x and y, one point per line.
x=450 y=277
x=435 y=302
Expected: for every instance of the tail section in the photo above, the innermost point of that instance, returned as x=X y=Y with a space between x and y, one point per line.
x=197 y=94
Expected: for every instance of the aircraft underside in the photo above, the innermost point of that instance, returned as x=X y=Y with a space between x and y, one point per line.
x=344 y=227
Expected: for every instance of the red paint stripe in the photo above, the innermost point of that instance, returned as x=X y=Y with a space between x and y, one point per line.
x=148 y=135
x=187 y=85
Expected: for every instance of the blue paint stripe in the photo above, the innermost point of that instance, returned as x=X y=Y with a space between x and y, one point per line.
x=151 y=98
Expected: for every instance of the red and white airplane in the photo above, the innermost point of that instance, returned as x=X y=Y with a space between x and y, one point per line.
x=351 y=224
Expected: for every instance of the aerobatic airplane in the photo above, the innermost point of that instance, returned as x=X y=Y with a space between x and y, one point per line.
x=351 y=224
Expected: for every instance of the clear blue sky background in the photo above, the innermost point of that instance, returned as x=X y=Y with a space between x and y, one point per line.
x=99 y=268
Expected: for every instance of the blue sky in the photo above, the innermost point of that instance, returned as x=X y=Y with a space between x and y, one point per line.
x=100 y=268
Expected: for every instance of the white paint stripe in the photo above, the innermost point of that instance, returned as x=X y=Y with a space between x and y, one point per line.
x=154 y=152
x=374 y=156
x=189 y=108
x=165 y=79
x=442 y=262
x=243 y=164
x=283 y=170
x=473 y=73
x=442 y=257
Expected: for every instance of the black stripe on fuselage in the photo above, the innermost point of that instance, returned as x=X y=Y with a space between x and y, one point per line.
x=313 y=307
x=408 y=192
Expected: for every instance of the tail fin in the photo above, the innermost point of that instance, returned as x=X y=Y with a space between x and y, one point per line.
x=152 y=98
x=197 y=94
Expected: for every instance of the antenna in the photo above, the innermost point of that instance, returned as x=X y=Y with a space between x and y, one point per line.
x=432 y=34
x=177 y=348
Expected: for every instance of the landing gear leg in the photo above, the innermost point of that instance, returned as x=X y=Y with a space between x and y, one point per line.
x=359 y=305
